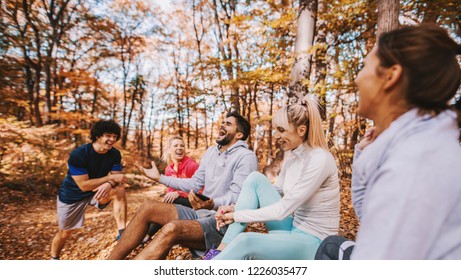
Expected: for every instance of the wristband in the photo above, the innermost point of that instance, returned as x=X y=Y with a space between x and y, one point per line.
x=111 y=184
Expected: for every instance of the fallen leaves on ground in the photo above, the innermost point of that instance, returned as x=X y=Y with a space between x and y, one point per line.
x=28 y=223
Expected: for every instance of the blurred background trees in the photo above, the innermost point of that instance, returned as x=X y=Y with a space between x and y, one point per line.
x=175 y=67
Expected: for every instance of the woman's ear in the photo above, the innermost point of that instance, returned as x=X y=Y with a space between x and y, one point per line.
x=302 y=130
x=393 y=75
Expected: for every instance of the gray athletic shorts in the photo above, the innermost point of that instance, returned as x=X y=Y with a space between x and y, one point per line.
x=71 y=216
x=207 y=220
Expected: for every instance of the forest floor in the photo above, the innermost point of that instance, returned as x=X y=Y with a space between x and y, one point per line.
x=28 y=223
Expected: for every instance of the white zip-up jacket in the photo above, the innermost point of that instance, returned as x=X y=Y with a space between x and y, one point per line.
x=309 y=184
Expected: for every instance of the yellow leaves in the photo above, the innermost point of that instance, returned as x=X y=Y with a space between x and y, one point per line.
x=284 y=21
x=240 y=19
x=277 y=77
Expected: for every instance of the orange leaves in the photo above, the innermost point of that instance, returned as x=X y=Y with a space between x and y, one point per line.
x=30 y=160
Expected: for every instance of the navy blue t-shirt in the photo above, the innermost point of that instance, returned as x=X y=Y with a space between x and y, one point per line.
x=85 y=160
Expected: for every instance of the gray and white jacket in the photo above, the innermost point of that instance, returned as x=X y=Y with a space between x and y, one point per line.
x=406 y=190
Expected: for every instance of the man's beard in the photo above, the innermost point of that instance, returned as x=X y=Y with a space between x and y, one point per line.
x=226 y=140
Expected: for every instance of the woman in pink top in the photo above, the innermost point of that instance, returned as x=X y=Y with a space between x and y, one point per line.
x=180 y=166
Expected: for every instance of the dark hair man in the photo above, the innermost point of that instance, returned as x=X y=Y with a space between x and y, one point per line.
x=94 y=178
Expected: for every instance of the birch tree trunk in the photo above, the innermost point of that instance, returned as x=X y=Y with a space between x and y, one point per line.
x=388 y=15
x=304 y=40
x=300 y=71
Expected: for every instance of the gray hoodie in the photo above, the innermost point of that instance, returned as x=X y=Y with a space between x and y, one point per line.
x=222 y=174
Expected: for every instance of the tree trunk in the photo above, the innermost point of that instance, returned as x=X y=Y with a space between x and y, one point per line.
x=37 y=65
x=198 y=37
x=30 y=92
x=304 y=38
x=140 y=140
x=206 y=125
x=59 y=16
x=179 y=116
x=161 y=137
x=136 y=92
x=47 y=66
x=188 y=121
x=226 y=48
x=125 y=100
x=95 y=96
x=388 y=15
x=38 y=116
x=197 y=131
x=300 y=71
x=320 y=64
x=151 y=129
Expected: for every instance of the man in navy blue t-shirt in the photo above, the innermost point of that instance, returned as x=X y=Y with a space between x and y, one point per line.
x=94 y=178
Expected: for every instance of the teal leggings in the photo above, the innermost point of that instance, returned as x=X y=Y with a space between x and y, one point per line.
x=284 y=241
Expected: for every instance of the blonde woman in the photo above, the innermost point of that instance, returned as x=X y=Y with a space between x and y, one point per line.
x=307 y=186
x=179 y=166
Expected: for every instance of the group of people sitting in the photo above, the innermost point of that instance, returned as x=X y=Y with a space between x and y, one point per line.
x=405 y=180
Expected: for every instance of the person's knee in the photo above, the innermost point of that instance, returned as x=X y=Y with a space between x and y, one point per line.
x=65 y=234
x=156 y=212
x=169 y=231
x=253 y=179
x=255 y=176
x=148 y=207
x=243 y=240
x=242 y=244
x=119 y=194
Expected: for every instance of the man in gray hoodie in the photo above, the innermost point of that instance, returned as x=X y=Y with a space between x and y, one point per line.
x=223 y=169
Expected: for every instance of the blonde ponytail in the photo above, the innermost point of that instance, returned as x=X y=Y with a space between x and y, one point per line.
x=316 y=135
x=306 y=112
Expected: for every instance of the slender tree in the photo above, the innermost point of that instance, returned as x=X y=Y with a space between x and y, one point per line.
x=388 y=15
x=304 y=40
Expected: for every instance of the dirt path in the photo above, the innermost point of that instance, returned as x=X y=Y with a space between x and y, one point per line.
x=28 y=224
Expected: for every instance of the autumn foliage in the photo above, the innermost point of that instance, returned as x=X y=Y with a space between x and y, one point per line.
x=161 y=68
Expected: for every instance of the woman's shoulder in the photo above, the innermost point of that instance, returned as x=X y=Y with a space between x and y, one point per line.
x=321 y=155
x=189 y=164
x=320 y=152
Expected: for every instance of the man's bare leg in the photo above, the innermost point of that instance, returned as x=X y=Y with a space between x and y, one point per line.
x=119 y=197
x=185 y=232
x=58 y=242
x=150 y=212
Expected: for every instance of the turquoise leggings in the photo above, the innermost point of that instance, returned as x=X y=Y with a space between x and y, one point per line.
x=284 y=241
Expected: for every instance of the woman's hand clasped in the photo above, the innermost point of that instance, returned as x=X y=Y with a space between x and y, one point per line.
x=224 y=216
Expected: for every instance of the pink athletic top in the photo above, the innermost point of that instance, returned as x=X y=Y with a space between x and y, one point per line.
x=186 y=169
